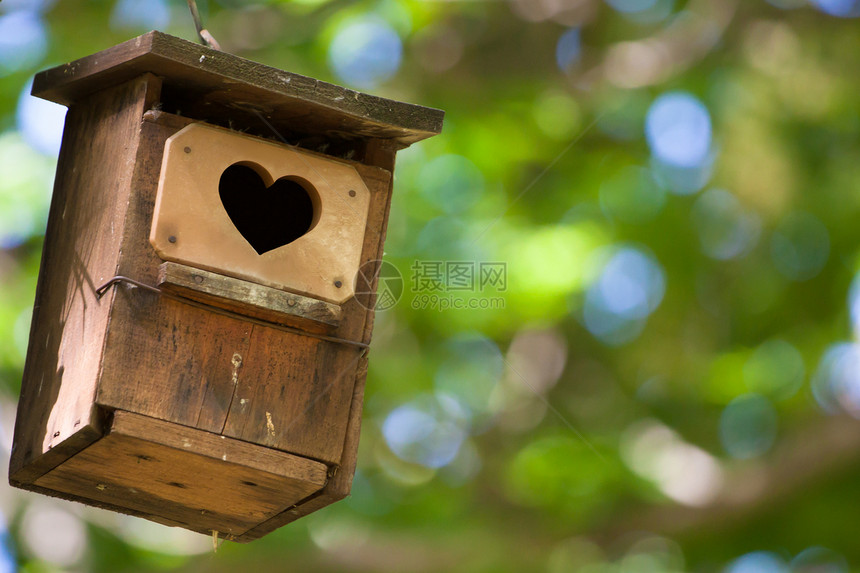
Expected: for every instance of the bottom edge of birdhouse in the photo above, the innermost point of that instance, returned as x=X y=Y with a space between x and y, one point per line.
x=184 y=477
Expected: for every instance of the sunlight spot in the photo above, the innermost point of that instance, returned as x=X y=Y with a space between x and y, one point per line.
x=53 y=534
x=8 y=563
x=334 y=533
x=632 y=5
x=788 y=4
x=840 y=8
x=23 y=41
x=421 y=432
x=140 y=15
x=854 y=303
x=25 y=190
x=40 y=122
x=682 y=471
x=758 y=562
x=678 y=130
x=836 y=383
x=557 y=115
x=452 y=183
x=365 y=52
x=630 y=287
x=567 y=49
x=161 y=538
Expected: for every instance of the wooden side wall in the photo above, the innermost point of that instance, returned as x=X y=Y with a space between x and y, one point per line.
x=86 y=222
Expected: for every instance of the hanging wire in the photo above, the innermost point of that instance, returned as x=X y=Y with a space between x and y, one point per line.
x=205 y=37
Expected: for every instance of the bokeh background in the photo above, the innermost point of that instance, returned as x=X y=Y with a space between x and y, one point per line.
x=668 y=379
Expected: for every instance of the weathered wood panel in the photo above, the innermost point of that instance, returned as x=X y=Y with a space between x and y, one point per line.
x=203 y=481
x=249 y=299
x=204 y=83
x=295 y=398
x=378 y=154
x=81 y=250
x=183 y=364
x=163 y=358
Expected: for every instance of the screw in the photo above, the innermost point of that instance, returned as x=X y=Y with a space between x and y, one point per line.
x=187 y=150
x=338 y=284
x=171 y=239
x=352 y=192
x=197 y=278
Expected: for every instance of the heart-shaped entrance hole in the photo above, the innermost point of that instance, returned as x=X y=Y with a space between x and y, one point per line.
x=267 y=217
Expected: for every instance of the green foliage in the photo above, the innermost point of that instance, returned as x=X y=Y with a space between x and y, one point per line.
x=657 y=384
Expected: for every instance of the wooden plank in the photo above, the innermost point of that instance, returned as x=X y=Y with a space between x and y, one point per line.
x=172 y=361
x=313 y=381
x=161 y=357
x=297 y=398
x=218 y=447
x=340 y=484
x=204 y=83
x=183 y=364
x=249 y=299
x=197 y=479
x=56 y=455
x=91 y=193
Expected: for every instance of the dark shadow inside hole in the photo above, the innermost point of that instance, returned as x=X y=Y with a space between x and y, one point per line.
x=268 y=217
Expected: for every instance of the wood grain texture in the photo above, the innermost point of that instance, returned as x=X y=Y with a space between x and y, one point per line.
x=249 y=298
x=195 y=372
x=218 y=447
x=200 y=480
x=192 y=224
x=379 y=155
x=86 y=221
x=186 y=361
x=205 y=84
x=297 y=398
x=329 y=394
x=179 y=363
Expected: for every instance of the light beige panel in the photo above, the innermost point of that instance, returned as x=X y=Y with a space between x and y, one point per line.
x=191 y=226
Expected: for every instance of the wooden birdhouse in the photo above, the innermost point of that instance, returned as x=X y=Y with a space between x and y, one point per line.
x=199 y=341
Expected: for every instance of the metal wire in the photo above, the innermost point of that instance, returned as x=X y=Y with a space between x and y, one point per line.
x=205 y=37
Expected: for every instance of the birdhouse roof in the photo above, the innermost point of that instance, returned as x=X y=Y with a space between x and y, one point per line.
x=203 y=83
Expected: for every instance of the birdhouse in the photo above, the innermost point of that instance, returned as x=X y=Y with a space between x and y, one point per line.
x=199 y=342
